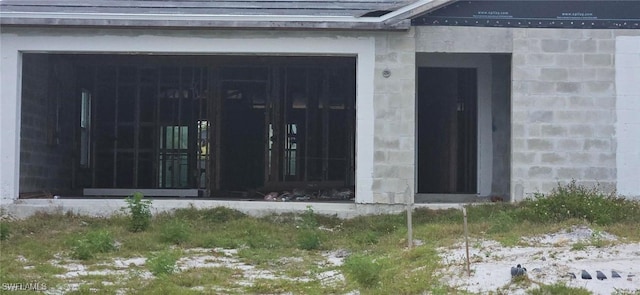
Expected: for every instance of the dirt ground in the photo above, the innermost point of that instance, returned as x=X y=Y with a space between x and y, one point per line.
x=549 y=259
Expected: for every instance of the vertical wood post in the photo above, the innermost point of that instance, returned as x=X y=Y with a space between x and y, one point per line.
x=409 y=201
x=466 y=239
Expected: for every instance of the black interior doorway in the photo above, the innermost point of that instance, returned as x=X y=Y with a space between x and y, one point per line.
x=447 y=130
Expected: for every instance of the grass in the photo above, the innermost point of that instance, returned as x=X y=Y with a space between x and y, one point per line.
x=291 y=246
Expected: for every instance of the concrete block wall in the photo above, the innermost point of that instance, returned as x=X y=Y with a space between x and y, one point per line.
x=563 y=109
x=46 y=145
x=394 y=109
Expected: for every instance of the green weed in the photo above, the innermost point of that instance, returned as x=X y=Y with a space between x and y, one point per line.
x=573 y=201
x=175 y=232
x=363 y=269
x=5 y=231
x=163 y=262
x=86 y=247
x=139 y=212
x=558 y=288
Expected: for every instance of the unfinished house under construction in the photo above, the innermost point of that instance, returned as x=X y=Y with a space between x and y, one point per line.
x=370 y=103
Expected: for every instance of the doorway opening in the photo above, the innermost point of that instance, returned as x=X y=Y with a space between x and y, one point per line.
x=447 y=145
x=463 y=127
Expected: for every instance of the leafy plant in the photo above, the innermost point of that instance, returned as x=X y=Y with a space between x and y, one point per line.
x=580 y=202
x=309 y=220
x=139 y=212
x=309 y=239
x=363 y=269
x=5 y=231
x=502 y=222
x=175 y=231
x=308 y=234
x=93 y=242
x=558 y=288
x=163 y=262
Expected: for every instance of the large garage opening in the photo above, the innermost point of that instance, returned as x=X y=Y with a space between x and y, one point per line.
x=188 y=126
x=463 y=127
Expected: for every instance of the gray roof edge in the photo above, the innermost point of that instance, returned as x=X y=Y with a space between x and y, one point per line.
x=395 y=20
x=206 y=24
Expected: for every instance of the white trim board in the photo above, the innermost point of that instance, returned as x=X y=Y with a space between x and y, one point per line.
x=180 y=42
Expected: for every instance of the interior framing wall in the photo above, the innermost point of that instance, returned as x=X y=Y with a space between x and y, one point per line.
x=47 y=133
x=19 y=40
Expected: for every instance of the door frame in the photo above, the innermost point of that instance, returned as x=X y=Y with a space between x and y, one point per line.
x=482 y=64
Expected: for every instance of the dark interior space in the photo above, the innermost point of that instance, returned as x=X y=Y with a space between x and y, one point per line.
x=447 y=130
x=226 y=126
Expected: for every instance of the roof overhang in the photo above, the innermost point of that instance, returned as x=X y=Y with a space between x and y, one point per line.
x=397 y=19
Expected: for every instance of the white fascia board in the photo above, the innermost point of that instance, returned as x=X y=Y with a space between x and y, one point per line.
x=181 y=17
x=211 y=17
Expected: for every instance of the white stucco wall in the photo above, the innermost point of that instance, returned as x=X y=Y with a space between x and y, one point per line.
x=17 y=40
x=627 y=61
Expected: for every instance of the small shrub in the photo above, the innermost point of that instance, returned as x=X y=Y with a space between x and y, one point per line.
x=175 y=231
x=366 y=237
x=308 y=235
x=99 y=241
x=5 y=231
x=577 y=201
x=578 y=246
x=558 y=288
x=163 y=262
x=309 y=239
x=309 y=220
x=139 y=212
x=363 y=269
x=501 y=222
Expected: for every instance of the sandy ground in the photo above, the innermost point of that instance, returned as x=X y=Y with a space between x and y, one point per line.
x=549 y=259
x=193 y=258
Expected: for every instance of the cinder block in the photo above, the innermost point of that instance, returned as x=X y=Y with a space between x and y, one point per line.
x=567 y=144
x=582 y=74
x=553 y=130
x=568 y=87
x=600 y=87
x=540 y=59
x=606 y=46
x=553 y=158
x=538 y=87
x=524 y=157
x=598 y=60
x=539 y=144
x=584 y=46
x=540 y=172
x=580 y=102
x=580 y=158
x=554 y=45
x=582 y=131
x=598 y=173
x=567 y=173
x=568 y=60
x=554 y=74
x=597 y=145
x=541 y=117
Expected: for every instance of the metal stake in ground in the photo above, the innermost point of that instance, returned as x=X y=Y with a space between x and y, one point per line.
x=409 y=200
x=466 y=239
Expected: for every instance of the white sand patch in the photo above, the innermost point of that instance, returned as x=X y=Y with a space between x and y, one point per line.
x=547 y=263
